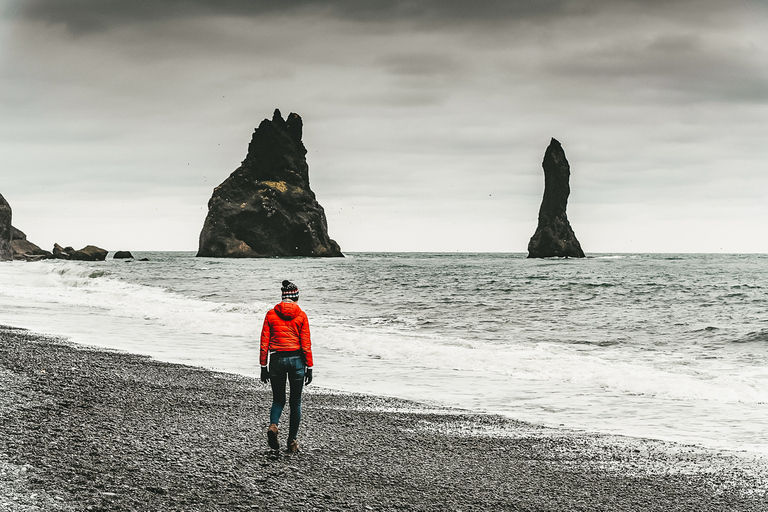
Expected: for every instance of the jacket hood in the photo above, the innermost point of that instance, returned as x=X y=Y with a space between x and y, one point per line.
x=287 y=310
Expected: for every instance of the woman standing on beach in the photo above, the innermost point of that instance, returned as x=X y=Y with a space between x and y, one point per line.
x=286 y=342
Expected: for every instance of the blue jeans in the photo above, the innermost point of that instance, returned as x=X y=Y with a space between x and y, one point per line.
x=291 y=367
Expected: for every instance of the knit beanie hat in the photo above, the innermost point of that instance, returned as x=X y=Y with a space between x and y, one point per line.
x=290 y=290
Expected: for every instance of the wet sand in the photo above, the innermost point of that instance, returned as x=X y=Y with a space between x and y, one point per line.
x=88 y=429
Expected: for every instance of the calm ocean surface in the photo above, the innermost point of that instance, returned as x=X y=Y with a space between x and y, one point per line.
x=670 y=347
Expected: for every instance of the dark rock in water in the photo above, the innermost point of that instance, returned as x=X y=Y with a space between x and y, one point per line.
x=87 y=253
x=62 y=253
x=266 y=208
x=143 y=259
x=13 y=242
x=25 y=250
x=554 y=236
x=122 y=255
x=6 y=251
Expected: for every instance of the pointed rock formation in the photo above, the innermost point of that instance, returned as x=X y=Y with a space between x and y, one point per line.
x=6 y=250
x=554 y=236
x=266 y=208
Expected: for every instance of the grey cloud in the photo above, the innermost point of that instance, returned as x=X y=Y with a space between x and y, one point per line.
x=400 y=99
x=94 y=15
x=422 y=105
x=415 y=79
x=674 y=62
x=419 y=64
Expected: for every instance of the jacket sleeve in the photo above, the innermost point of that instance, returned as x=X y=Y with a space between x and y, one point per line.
x=306 y=341
x=265 y=335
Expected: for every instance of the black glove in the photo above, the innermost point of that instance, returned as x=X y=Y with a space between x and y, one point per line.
x=307 y=376
x=264 y=374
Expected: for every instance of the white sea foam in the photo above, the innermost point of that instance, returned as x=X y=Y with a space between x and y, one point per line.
x=555 y=364
x=73 y=286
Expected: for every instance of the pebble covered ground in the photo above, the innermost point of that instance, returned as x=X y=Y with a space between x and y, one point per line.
x=87 y=429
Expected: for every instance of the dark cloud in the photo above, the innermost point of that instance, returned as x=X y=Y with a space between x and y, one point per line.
x=93 y=15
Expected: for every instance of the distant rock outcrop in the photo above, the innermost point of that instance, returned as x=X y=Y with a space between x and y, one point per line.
x=87 y=253
x=23 y=249
x=14 y=244
x=266 y=208
x=122 y=255
x=6 y=250
x=62 y=253
x=554 y=236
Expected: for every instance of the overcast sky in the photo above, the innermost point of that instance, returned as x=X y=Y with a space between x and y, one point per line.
x=425 y=121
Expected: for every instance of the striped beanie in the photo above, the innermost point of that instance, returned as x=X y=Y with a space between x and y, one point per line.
x=290 y=290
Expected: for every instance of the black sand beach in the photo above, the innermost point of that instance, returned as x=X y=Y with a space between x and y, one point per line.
x=86 y=429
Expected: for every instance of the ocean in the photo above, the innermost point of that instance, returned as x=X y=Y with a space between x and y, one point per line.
x=663 y=346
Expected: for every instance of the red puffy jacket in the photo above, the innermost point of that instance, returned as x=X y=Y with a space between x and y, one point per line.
x=286 y=328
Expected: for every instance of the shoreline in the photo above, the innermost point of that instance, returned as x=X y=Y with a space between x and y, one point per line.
x=87 y=427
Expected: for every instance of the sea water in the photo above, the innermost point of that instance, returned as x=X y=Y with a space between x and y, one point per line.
x=671 y=347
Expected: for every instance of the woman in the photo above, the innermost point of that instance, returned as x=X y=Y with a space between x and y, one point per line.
x=286 y=343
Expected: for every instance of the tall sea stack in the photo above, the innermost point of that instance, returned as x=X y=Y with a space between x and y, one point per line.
x=554 y=236
x=266 y=208
x=6 y=250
